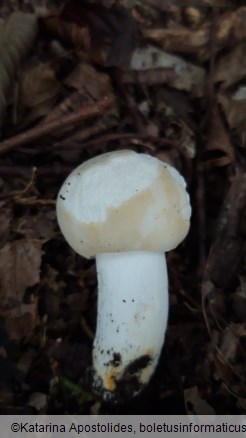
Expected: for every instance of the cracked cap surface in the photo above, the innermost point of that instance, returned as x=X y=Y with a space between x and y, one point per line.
x=123 y=201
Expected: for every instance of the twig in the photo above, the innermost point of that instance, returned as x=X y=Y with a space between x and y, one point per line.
x=30 y=201
x=87 y=112
x=200 y=188
x=46 y=171
x=19 y=193
x=210 y=78
x=130 y=102
x=118 y=136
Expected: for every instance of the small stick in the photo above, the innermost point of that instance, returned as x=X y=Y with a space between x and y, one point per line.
x=30 y=201
x=19 y=193
x=87 y=112
x=46 y=171
x=117 y=136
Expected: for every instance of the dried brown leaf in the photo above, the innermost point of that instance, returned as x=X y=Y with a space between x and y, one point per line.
x=20 y=321
x=76 y=303
x=51 y=283
x=218 y=139
x=228 y=345
x=194 y=17
x=239 y=300
x=224 y=369
x=5 y=222
x=230 y=358
x=234 y=107
x=86 y=79
x=38 y=90
x=166 y=5
x=19 y=269
x=226 y=254
x=230 y=27
x=179 y=40
x=20 y=262
x=43 y=225
x=38 y=400
x=25 y=361
x=231 y=68
x=195 y=404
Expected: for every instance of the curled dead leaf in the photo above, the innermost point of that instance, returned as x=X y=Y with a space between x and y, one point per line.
x=179 y=40
x=107 y=35
x=230 y=27
x=17 y=35
x=218 y=140
x=38 y=91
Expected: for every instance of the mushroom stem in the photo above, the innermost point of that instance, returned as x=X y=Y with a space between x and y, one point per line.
x=132 y=320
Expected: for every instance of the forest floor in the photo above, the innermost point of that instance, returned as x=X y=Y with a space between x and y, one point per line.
x=79 y=79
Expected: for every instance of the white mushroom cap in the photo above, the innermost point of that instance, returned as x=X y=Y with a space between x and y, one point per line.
x=123 y=201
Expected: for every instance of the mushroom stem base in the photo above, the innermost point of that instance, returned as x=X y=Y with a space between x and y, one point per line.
x=131 y=323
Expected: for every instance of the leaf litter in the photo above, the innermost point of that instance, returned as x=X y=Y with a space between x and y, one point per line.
x=160 y=77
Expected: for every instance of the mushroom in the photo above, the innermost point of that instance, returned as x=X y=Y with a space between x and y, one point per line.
x=126 y=209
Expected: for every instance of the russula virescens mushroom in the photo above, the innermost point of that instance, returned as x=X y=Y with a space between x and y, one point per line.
x=126 y=209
